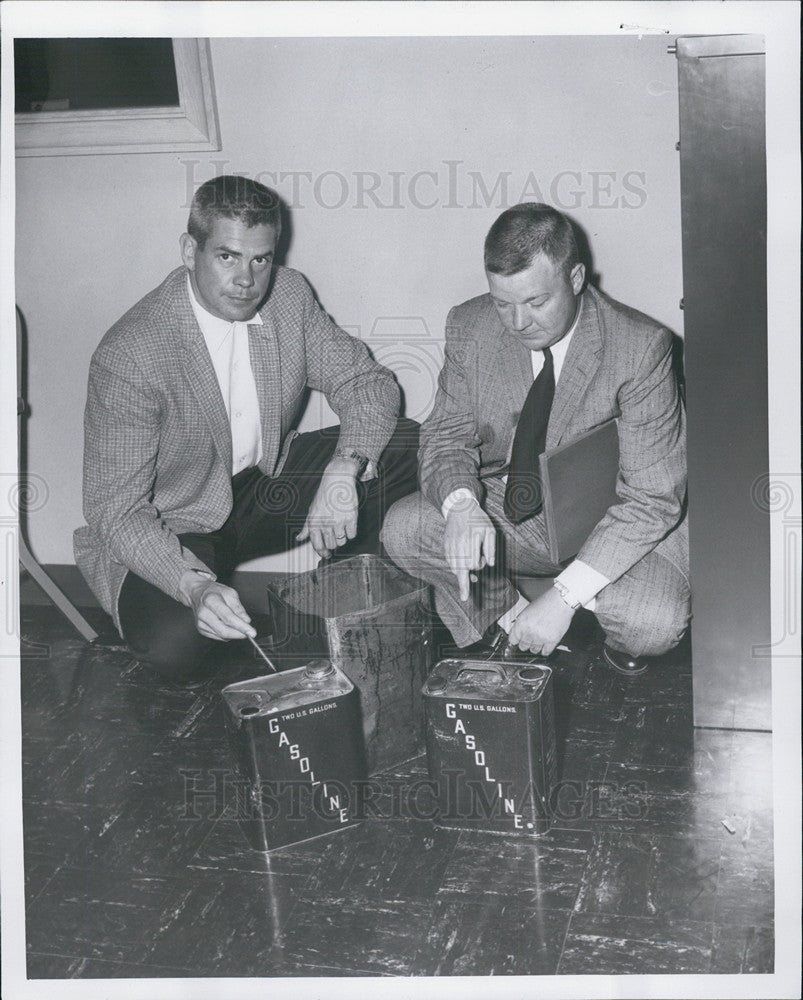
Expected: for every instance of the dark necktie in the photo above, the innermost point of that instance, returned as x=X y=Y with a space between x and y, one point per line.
x=523 y=491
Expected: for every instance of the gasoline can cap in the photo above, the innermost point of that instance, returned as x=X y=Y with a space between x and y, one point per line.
x=319 y=670
x=530 y=674
x=436 y=684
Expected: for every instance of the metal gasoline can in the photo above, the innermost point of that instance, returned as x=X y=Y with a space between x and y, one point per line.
x=298 y=741
x=490 y=734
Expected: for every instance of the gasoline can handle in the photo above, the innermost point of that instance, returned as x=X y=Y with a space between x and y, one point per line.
x=484 y=668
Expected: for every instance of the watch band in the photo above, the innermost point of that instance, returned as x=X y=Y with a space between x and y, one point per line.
x=355 y=456
x=566 y=595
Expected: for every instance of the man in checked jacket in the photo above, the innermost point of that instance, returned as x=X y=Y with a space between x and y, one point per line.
x=191 y=461
x=602 y=361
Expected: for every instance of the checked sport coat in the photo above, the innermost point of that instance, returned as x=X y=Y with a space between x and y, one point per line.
x=157 y=439
x=618 y=365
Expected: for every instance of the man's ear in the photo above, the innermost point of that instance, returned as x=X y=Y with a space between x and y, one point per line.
x=188 y=246
x=578 y=276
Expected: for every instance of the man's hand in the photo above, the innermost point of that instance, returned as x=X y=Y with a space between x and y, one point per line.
x=469 y=542
x=217 y=608
x=542 y=625
x=332 y=516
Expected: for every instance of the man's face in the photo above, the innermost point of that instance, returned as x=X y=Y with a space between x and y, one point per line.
x=538 y=305
x=230 y=275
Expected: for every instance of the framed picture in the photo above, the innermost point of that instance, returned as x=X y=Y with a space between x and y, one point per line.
x=114 y=95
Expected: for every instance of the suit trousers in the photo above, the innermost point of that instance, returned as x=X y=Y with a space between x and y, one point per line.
x=267 y=514
x=644 y=612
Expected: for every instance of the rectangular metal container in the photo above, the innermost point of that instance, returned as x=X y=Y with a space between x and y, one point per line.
x=374 y=623
x=299 y=748
x=491 y=745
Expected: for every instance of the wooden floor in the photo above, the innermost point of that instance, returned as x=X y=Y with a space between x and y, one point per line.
x=638 y=874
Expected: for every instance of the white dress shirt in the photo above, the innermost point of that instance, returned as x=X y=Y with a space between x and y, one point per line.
x=227 y=344
x=582 y=581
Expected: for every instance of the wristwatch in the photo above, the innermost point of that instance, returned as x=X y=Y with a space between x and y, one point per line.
x=566 y=595
x=355 y=456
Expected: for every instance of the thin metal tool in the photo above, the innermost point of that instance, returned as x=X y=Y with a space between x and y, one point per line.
x=262 y=654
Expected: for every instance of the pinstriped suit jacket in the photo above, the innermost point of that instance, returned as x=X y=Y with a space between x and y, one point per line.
x=619 y=364
x=157 y=439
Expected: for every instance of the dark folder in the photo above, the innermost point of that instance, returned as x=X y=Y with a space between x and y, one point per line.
x=579 y=485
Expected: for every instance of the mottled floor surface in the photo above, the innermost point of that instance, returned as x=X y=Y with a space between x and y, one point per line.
x=638 y=875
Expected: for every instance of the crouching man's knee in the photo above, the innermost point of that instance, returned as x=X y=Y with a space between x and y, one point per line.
x=659 y=629
x=162 y=632
x=394 y=534
x=175 y=649
x=413 y=529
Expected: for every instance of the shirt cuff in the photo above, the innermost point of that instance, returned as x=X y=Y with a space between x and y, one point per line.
x=582 y=581
x=459 y=496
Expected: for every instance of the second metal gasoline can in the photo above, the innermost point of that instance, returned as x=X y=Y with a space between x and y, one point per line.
x=491 y=745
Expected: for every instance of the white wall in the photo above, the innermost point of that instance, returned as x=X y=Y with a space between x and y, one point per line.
x=316 y=118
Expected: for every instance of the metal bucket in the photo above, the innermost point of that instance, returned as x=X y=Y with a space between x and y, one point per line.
x=374 y=623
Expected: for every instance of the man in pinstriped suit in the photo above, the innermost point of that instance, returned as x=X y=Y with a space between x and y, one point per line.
x=609 y=361
x=191 y=461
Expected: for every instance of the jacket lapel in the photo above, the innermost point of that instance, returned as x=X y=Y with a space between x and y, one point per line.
x=202 y=379
x=579 y=367
x=513 y=366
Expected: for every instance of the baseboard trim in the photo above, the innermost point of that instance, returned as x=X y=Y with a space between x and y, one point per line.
x=252 y=587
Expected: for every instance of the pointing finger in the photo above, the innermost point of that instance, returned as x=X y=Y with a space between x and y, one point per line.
x=476 y=546
x=490 y=546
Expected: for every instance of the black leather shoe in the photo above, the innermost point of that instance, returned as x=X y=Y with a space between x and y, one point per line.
x=585 y=634
x=493 y=645
x=624 y=663
x=490 y=647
